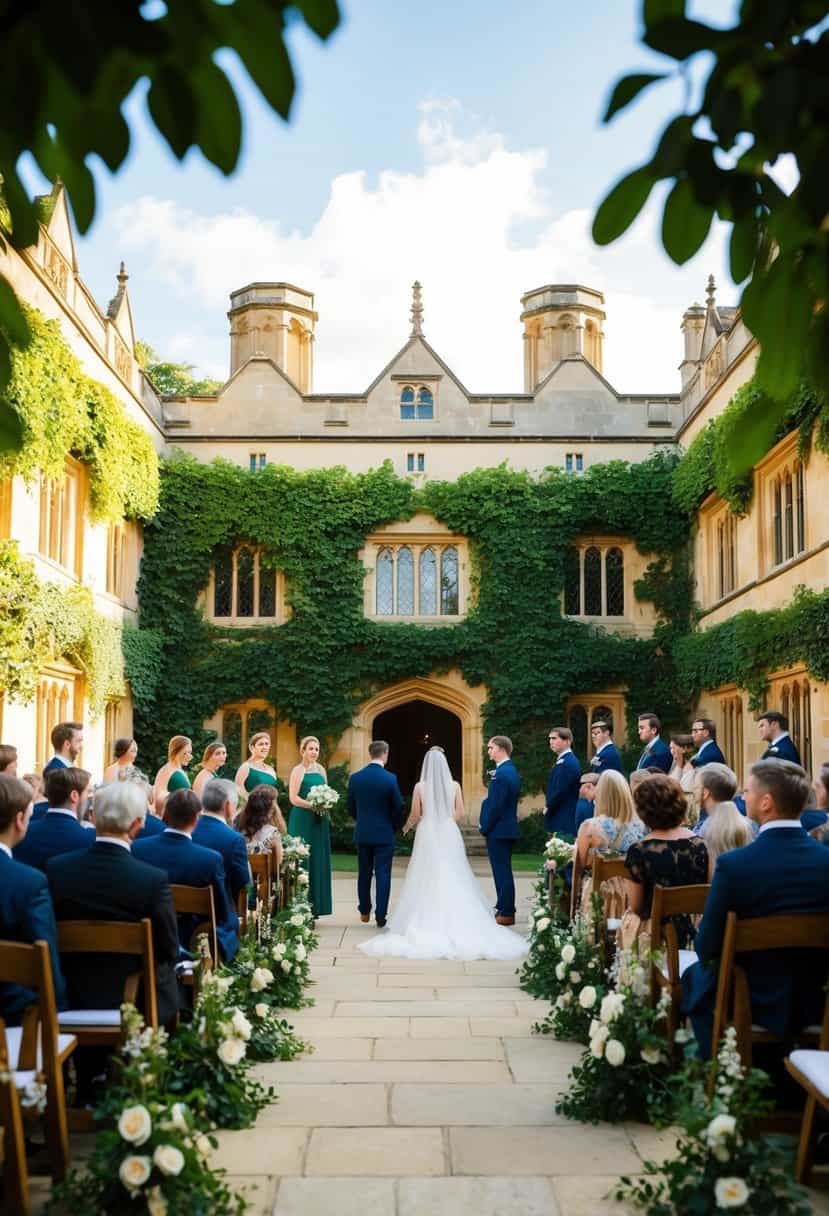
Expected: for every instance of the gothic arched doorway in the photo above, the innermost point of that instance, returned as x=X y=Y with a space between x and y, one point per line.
x=410 y=730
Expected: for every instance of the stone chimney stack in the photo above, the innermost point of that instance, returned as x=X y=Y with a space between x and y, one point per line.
x=275 y=320
x=693 y=324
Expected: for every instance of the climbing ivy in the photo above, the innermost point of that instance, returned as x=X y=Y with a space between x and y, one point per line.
x=327 y=657
x=64 y=411
x=707 y=464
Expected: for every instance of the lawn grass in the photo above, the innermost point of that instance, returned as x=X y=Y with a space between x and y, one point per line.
x=346 y=863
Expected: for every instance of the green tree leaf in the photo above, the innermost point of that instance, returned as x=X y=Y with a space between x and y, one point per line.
x=629 y=87
x=622 y=205
x=742 y=249
x=685 y=223
x=220 y=120
x=778 y=310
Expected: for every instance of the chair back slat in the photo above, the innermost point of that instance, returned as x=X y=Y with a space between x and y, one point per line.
x=116 y=937
x=809 y=931
x=15 y=1168
x=605 y=868
x=675 y=901
x=198 y=901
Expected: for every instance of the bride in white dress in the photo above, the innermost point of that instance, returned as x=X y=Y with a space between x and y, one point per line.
x=442 y=911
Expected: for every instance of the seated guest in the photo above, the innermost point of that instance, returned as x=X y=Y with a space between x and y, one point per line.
x=26 y=913
x=774 y=730
x=815 y=821
x=655 y=754
x=219 y=800
x=67 y=741
x=190 y=865
x=258 y=826
x=783 y=871
x=562 y=784
x=105 y=882
x=638 y=776
x=704 y=735
x=606 y=754
x=613 y=829
x=153 y=826
x=59 y=831
x=8 y=760
x=721 y=825
x=586 y=804
x=670 y=855
x=682 y=770
x=124 y=751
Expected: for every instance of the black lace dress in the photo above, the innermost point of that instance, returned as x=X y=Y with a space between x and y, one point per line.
x=669 y=863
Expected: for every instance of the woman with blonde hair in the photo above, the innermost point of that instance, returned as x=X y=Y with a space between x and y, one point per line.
x=615 y=826
x=171 y=776
x=312 y=827
x=215 y=755
x=256 y=770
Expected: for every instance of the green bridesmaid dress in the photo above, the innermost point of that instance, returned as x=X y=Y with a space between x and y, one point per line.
x=178 y=781
x=316 y=832
x=257 y=777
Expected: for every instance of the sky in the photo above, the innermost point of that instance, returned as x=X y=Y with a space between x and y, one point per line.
x=457 y=143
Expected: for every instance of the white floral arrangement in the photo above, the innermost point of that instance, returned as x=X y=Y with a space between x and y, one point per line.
x=558 y=853
x=294 y=847
x=323 y=799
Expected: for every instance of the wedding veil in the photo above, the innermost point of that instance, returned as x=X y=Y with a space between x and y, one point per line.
x=438 y=788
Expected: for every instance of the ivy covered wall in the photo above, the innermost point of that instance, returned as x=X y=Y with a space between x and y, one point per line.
x=317 y=667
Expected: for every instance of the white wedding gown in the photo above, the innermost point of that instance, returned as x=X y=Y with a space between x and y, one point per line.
x=442 y=911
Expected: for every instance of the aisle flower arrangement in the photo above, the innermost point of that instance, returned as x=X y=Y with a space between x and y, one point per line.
x=719 y=1164
x=262 y=999
x=578 y=981
x=294 y=940
x=547 y=933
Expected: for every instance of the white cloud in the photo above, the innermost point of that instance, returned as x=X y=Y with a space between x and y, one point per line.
x=458 y=224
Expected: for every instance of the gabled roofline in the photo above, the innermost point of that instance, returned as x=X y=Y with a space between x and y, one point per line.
x=412 y=342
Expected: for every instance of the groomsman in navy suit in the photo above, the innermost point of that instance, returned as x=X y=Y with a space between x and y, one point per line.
x=26 y=913
x=774 y=730
x=606 y=755
x=562 y=784
x=499 y=824
x=67 y=740
x=783 y=871
x=374 y=800
x=59 y=830
x=704 y=734
x=655 y=754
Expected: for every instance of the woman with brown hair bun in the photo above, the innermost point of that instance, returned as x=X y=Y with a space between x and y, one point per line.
x=124 y=751
x=215 y=755
x=261 y=822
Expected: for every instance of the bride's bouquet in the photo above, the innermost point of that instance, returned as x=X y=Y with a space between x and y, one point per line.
x=323 y=799
x=558 y=853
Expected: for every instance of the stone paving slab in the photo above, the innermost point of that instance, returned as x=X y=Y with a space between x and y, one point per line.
x=434 y=1048
x=439 y=1028
x=335 y=1197
x=423 y=1009
x=570 y=1149
x=308 y=1025
x=458 y=982
x=339 y=1049
x=388 y=1151
x=493 y=1106
x=541 y=1059
x=499 y=1026
x=482 y=1196
x=259 y=1151
x=259 y=1190
x=587 y=1196
x=330 y=1106
x=385 y=1072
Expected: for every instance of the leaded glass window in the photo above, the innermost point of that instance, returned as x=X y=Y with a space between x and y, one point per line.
x=615 y=582
x=789 y=517
x=777 y=522
x=223 y=582
x=385 y=583
x=572 y=582
x=267 y=589
x=592 y=582
x=407 y=402
x=800 y=510
x=428 y=605
x=449 y=581
x=244 y=582
x=425 y=403
x=405 y=582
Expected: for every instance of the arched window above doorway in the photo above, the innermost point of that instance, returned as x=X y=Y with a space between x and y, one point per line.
x=416 y=572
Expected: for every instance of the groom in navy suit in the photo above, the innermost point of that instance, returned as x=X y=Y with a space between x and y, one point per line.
x=374 y=800
x=499 y=824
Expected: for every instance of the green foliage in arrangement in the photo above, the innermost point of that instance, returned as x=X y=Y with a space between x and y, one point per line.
x=716 y=458
x=327 y=657
x=61 y=411
x=40 y=622
x=745 y=648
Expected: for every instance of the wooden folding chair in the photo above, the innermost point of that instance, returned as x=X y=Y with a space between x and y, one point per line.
x=198 y=901
x=13 y=1141
x=261 y=867
x=102 y=1027
x=290 y=881
x=36 y=1047
x=792 y=931
x=667 y=972
x=811 y=1070
x=242 y=910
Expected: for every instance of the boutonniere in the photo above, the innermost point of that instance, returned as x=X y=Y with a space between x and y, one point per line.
x=772 y=751
x=491 y=773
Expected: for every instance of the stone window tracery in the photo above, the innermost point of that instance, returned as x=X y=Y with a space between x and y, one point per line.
x=419 y=580
x=594 y=581
x=417 y=402
x=788 y=514
x=244 y=588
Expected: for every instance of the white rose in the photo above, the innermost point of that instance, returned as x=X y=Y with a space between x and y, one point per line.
x=587 y=997
x=651 y=1055
x=302 y=878
x=286 y=966
x=279 y=951
x=232 y=1051
x=614 y=1053
x=542 y=924
x=178 y=1117
x=261 y=1011
x=135 y=1125
x=300 y=953
x=561 y=970
x=601 y=1034
x=612 y=1004
x=575 y=977
x=170 y=1160
x=134 y=1171
x=731 y=1192
x=203 y=1147
x=597 y=1047
x=260 y=979
x=222 y=984
x=568 y=953
x=540 y=947
x=156 y=1203
x=241 y=1026
x=298 y=920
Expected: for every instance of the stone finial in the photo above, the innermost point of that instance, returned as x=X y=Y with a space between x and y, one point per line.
x=122 y=275
x=710 y=291
x=417 y=310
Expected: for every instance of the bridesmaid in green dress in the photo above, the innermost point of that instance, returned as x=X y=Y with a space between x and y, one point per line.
x=256 y=771
x=313 y=828
x=171 y=776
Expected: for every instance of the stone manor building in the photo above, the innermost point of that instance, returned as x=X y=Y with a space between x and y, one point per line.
x=419 y=415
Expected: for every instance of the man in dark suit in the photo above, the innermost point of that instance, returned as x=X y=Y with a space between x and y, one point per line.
x=26 y=913
x=704 y=734
x=774 y=731
x=586 y=805
x=562 y=784
x=105 y=882
x=606 y=753
x=191 y=865
x=499 y=824
x=374 y=800
x=67 y=741
x=655 y=753
x=59 y=831
x=783 y=871
x=213 y=831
